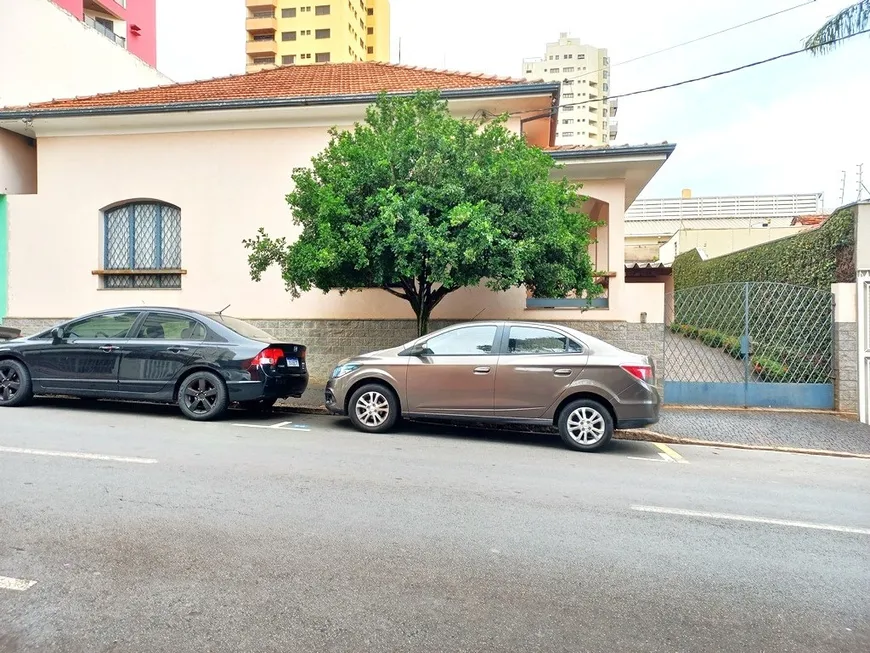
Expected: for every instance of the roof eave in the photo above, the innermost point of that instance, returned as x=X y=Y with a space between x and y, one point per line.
x=532 y=89
x=660 y=149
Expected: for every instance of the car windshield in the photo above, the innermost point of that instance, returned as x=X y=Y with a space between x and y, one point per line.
x=243 y=328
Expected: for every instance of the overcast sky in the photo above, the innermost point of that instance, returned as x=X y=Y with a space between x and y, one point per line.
x=790 y=126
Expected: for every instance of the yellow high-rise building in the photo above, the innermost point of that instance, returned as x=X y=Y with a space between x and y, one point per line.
x=289 y=32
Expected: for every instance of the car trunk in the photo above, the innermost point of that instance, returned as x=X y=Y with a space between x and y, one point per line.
x=282 y=359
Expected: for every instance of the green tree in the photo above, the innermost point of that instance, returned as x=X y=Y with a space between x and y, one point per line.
x=419 y=203
x=850 y=21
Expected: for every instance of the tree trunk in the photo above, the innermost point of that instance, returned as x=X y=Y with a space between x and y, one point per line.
x=423 y=319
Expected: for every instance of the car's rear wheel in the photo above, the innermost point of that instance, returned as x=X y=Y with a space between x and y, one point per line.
x=585 y=425
x=373 y=408
x=15 y=385
x=202 y=396
x=259 y=405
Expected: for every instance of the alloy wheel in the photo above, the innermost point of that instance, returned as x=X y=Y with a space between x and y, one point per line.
x=372 y=409
x=10 y=383
x=586 y=425
x=200 y=396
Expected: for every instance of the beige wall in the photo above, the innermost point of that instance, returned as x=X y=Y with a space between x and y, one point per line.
x=46 y=53
x=17 y=164
x=227 y=185
x=719 y=242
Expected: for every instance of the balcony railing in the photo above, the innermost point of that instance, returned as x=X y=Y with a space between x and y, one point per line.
x=105 y=31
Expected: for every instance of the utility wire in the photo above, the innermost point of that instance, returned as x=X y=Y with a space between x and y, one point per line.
x=697 y=39
x=699 y=79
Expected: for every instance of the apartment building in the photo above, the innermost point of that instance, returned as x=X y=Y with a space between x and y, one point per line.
x=130 y=24
x=287 y=32
x=586 y=116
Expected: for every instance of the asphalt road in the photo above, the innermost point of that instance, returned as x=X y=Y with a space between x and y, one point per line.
x=242 y=536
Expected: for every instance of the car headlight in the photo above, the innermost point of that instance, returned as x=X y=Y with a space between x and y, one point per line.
x=343 y=370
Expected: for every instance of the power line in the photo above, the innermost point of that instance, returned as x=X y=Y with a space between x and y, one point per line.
x=704 y=77
x=697 y=39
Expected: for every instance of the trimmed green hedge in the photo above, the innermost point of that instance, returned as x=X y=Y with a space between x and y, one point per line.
x=814 y=258
x=773 y=365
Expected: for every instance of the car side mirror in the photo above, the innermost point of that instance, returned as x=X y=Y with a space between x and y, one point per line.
x=57 y=334
x=420 y=349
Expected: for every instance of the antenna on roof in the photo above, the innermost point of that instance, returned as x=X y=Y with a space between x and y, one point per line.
x=478 y=314
x=220 y=312
x=400 y=50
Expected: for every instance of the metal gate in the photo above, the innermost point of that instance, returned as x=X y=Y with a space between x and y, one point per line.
x=754 y=344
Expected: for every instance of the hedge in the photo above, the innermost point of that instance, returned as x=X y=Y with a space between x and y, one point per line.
x=773 y=364
x=814 y=258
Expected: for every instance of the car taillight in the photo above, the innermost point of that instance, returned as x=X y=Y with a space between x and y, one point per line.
x=642 y=372
x=269 y=356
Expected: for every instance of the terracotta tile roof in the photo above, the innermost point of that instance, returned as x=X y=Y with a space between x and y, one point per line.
x=809 y=220
x=583 y=148
x=291 y=82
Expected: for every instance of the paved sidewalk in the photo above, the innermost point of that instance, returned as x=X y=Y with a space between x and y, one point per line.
x=760 y=428
x=750 y=428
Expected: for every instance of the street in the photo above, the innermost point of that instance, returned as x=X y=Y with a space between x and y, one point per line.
x=128 y=528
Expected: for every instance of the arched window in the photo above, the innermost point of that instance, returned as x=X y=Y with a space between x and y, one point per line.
x=142 y=246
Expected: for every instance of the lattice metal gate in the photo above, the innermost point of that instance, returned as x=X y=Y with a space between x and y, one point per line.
x=749 y=344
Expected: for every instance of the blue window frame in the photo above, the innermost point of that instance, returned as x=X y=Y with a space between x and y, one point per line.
x=142 y=246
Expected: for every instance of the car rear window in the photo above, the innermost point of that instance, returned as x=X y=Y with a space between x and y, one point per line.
x=243 y=328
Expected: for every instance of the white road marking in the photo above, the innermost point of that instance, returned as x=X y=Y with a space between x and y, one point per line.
x=666 y=457
x=78 y=454
x=650 y=460
x=754 y=520
x=15 y=584
x=280 y=426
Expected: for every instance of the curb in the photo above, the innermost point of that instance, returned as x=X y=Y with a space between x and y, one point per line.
x=645 y=435
x=304 y=410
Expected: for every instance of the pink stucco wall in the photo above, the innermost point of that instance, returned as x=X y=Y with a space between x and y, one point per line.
x=75 y=7
x=143 y=14
x=228 y=184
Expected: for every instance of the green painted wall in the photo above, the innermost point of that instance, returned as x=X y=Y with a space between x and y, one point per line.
x=4 y=259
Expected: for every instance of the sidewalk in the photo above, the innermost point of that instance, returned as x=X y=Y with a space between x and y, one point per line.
x=754 y=429
x=764 y=429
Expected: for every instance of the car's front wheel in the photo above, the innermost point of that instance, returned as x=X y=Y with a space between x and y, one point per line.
x=585 y=425
x=202 y=396
x=373 y=408
x=15 y=385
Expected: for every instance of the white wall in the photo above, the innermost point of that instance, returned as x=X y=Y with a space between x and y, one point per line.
x=46 y=53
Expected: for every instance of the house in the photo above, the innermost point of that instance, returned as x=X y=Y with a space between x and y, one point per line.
x=145 y=196
x=662 y=228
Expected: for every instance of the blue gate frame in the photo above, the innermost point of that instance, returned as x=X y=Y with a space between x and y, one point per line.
x=753 y=344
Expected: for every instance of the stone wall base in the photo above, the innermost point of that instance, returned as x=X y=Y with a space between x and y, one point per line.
x=846 y=366
x=330 y=341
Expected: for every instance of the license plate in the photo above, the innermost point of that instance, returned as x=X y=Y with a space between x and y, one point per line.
x=292 y=362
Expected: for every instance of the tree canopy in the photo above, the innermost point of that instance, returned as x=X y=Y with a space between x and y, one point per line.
x=852 y=20
x=420 y=203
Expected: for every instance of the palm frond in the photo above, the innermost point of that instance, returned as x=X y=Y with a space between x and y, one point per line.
x=851 y=20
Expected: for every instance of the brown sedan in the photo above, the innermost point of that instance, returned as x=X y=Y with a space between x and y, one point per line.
x=506 y=372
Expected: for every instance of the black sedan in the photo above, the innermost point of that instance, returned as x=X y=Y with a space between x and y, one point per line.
x=202 y=361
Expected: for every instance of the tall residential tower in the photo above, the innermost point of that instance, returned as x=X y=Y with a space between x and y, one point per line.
x=585 y=114
x=286 y=32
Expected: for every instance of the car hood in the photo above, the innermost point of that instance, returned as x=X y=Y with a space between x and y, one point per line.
x=368 y=357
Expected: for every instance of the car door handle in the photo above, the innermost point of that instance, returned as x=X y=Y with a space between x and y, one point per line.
x=481 y=370
x=109 y=348
x=176 y=350
x=562 y=372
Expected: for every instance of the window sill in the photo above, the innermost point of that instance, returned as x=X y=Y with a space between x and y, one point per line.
x=109 y=273
x=576 y=304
